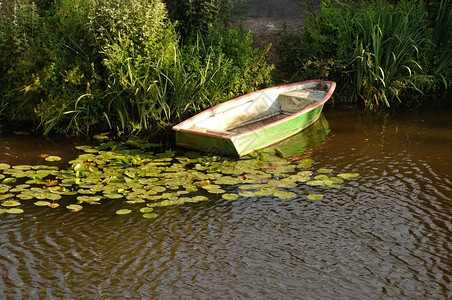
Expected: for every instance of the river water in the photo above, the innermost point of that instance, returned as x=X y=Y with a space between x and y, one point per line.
x=384 y=235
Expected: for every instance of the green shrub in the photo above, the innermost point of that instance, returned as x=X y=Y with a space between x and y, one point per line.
x=137 y=43
x=210 y=70
x=249 y=68
x=325 y=48
x=73 y=85
x=47 y=63
x=83 y=66
x=199 y=16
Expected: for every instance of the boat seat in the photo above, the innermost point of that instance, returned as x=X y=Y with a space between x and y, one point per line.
x=298 y=100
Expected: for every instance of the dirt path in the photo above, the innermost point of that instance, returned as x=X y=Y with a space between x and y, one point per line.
x=267 y=18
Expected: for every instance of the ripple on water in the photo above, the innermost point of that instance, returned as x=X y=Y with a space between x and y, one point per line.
x=385 y=234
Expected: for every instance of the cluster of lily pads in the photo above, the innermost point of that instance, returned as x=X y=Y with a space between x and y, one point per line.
x=130 y=172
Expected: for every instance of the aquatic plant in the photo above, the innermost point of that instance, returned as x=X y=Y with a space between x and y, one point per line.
x=379 y=52
x=441 y=42
x=138 y=180
x=386 y=49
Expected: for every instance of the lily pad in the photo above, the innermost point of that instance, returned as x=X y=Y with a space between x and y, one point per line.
x=247 y=194
x=123 y=211
x=9 y=180
x=42 y=203
x=216 y=191
x=200 y=198
x=4 y=166
x=74 y=207
x=284 y=183
x=10 y=203
x=53 y=158
x=284 y=195
x=89 y=199
x=348 y=175
x=321 y=177
x=22 y=167
x=6 y=196
x=146 y=209
x=315 y=183
x=26 y=195
x=229 y=196
x=314 y=196
x=305 y=173
x=306 y=163
x=265 y=192
x=79 y=167
x=149 y=215
x=15 y=211
x=324 y=171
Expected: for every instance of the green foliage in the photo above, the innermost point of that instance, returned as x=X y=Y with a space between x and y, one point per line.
x=73 y=83
x=249 y=69
x=22 y=58
x=439 y=54
x=75 y=66
x=325 y=48
x=137 y=44
x=377 y=50
x=199 y=16
x=208 y=71
x=386 y=51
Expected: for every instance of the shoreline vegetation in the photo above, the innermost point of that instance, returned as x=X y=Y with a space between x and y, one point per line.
x=136 y=67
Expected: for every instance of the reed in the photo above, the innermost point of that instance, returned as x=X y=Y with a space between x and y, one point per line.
x=386 y=51
x=440 y=51
x=378 y=51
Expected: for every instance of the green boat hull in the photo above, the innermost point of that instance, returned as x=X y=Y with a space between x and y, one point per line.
x=248 y=142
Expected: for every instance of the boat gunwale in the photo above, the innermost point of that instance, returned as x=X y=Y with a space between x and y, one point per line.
x=327 y=96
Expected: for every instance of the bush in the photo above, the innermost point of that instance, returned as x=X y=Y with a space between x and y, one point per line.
x=209 y=70
x=81 y=66
x=72 y=85
x=23 y=56
x=137 y=43
x=199 y=16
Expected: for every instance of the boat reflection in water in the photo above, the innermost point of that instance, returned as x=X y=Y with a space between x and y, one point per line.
x=312 y=137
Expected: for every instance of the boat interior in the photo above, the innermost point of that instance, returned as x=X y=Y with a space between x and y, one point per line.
x=260 y=110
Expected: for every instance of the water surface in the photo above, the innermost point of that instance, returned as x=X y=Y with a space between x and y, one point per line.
x=384 y=235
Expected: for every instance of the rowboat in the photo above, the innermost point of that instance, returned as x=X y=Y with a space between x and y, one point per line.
x=256 y=120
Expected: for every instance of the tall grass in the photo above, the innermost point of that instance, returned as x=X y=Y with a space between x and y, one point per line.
x=440 y=52
x=378 y=51
x=386 y=50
